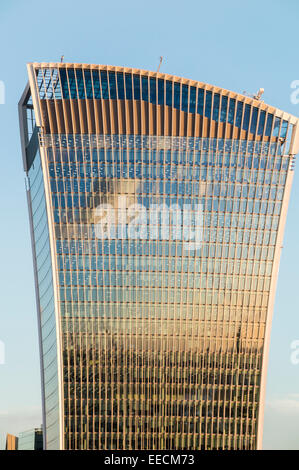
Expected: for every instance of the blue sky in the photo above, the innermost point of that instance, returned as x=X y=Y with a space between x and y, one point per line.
x=241 y=46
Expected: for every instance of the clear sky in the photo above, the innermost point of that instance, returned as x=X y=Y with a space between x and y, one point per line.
x=238 y=45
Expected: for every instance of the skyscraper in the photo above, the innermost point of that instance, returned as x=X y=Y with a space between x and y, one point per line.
x=157 y=208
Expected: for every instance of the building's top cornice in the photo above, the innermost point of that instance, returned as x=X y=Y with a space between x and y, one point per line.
x=238 y=96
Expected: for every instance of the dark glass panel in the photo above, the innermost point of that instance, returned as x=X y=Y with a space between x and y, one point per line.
x=80 y=84
x=254 y=120
x=88 y=84
x=64 y=84
x=72 y=83
x=120 y=86
x=104 y=83
x=185 y=98
x=200 y=101
x=261 y=122
x=153 y=90
x=246 y=117
x=231 y=111
x=239 y=113
x=96 y=84
x=128 y=80
x=136 y=82
x=192 y=102
x=160 y=91
x=169 y=87
x=112 y=85
x=144 y=84
x=177 y=95
x=224 y=102
x=269 y=125
x=208 y=104
x=216 y=105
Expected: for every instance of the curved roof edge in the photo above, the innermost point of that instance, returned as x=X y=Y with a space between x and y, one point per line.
x=238 y=96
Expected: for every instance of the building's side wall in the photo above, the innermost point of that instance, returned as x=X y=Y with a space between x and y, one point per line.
x=11 y=442
x=45 y=296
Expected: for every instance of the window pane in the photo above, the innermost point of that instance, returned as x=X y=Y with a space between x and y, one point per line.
x=216 y=105
x=185 y=98
x=153 y=91
x=128 y=80
x=276 y=127
x=136 y=81
x=192 y=100
x=231 y=111
x=239 y=114
x=169 y=93
x=144 y=88
x=96 y=84
x=104 y=81
x=160 y=91
x=224 y=101
x=246 y=117
x=269 y=124
x=261 y=122
x=200 y=101
x=177 y=97
x=120 y=86
x=284 y=128
x=253 y=120
x=112 y=85
x=208 y=104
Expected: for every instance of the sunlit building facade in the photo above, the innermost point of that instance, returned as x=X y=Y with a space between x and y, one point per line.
x=157 y=208
x=11 y=442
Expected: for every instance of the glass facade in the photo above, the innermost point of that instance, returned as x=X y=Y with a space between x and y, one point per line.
x=43 y=273
x=163 y=249
x=30 y=440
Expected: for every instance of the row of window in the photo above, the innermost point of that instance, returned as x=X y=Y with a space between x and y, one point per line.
x=61 y=201
x=120 y=279
x=166 y=158
x=127 y=171
x=177 y=248
x=93 y=312
x=139 y=427
x=145 y=143
x=174 y=328
x=144 y=263
x=88 y=244
x=154 y=441
x=90 y=187
x=159 y=295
